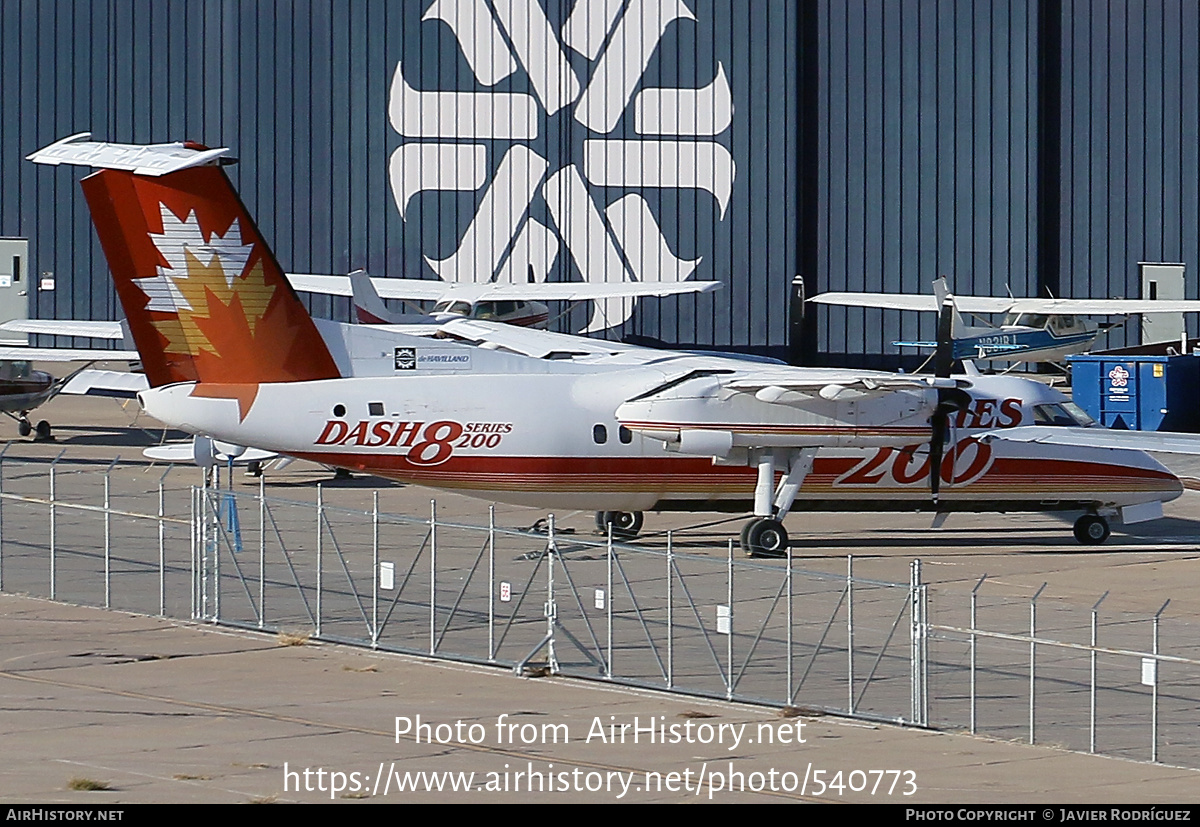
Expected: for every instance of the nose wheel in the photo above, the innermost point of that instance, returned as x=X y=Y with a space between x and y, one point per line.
x=1092 y=529
x=625 y=524
x=765 y=537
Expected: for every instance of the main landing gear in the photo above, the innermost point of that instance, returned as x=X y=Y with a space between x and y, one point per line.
x=1092 y=529
x=765 y=536
x=625 y=524
x=25 y=428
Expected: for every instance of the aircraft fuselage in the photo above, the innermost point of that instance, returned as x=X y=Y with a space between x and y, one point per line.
x=554 y=440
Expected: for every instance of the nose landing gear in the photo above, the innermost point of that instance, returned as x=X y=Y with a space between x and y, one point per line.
x=1092 y=529
x=625 y=524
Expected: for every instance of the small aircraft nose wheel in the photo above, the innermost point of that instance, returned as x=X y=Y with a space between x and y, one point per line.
x=43 y=430
x=625 y=524
x=765 y=537
x=1091 y=529
x=24 y=428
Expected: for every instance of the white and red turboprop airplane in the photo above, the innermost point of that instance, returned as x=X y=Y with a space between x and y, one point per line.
x=536 y=418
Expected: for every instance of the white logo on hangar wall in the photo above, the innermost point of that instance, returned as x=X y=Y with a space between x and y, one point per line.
x=450 y=135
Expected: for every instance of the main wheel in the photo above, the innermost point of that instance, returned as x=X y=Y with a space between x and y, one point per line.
x=1091 y=529
x=625 y=524
x=765 y=537
x=43 y=430
x=24 y=428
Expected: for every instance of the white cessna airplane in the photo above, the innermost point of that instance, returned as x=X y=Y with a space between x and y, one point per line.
x=549 y=420
x=1033 y=330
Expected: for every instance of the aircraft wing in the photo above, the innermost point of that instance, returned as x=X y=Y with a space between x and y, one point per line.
x=120 y=384
x=540 y=344
x=1100 y=307
x=65 y=327
x=911 y=301
x=834 y=385
x=1162 y=441
x=66 y=354
x=997 y=304
x=436 y=290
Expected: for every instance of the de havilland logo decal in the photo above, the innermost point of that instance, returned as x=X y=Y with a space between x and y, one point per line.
x=565 y=148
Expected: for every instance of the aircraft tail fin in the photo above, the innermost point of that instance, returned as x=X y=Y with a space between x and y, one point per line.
x=204 y=297
x=368 y=306
x=958 y=325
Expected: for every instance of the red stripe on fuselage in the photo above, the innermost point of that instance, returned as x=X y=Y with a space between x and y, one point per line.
x=1039 y=477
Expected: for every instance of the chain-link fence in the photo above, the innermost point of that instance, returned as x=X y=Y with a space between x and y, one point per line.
x=699 y=621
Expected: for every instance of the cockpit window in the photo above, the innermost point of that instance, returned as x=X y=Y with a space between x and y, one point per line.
x=1063 y=324
x=15 y=370
x=451 y=306
x=1065 y=413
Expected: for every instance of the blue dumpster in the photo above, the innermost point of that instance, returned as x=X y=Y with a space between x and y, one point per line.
x=1139 y=391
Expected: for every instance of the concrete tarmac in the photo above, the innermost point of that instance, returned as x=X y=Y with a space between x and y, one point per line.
x=170 y=711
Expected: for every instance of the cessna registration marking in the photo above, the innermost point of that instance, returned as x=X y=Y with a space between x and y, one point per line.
x=428 y=443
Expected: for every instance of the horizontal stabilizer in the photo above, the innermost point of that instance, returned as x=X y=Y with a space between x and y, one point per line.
x=144 y=159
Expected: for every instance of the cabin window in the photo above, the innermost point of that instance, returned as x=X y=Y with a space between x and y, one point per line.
x=339 y=411
x=375 y=408
x=1067 y=413
x=599 y=434
x=625 y=435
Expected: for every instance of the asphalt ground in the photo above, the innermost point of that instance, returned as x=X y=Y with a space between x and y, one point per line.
x=171 y=711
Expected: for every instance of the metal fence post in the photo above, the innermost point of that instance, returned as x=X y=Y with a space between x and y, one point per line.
x=320 y=568
x=53 y=528
x=670 y=612
x=551 y=606
x=375 y=569
x=1033 y=663
x=729 y=637
x=850 y=631
x=916 y=645
x=262 y=550
x=974 y=644
x=611 y=596
x=492 y=583
x=162 y=543
x=790 y=654
x=1095 y=642
x=108 y=534
x=2 y=453
x=1154 y=688
x=216 y=545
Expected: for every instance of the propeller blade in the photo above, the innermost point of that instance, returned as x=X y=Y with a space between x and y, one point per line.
x=943 y=357
x=950 y=401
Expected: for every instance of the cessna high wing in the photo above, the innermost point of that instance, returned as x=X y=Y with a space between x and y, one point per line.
x=1033 y=330
x=23 y=389
x=511 y=303
x=549 y=420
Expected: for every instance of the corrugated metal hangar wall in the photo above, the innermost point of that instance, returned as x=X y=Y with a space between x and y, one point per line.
x=867 y=145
